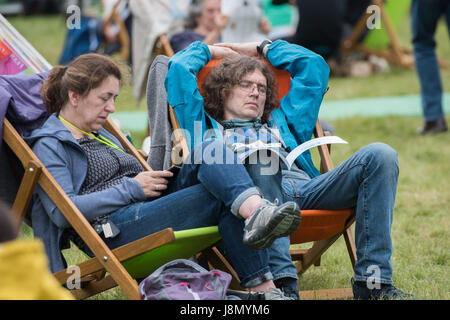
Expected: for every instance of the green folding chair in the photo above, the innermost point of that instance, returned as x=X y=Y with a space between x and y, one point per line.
x=108 y=268
x=381 y=42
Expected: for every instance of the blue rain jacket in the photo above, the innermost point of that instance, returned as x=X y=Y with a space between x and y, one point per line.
x=299 y=109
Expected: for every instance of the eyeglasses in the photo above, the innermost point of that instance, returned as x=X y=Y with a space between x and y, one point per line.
x=249 y=85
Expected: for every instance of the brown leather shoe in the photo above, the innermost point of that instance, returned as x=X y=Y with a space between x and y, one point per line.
x=436 y=126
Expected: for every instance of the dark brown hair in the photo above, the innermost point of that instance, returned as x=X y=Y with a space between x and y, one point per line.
x=218 y=84
x=83 y=74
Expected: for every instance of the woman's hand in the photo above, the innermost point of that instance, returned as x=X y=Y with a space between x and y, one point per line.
x=153 y=182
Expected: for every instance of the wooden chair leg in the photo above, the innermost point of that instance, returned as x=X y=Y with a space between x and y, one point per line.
x=218 y=261
x=351 y=247
x=311 y=256
x=127 y=251
x=327 y=294
x=94 y=287
x=25 y=192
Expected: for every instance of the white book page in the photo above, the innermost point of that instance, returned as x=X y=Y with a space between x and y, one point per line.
x=311 y=144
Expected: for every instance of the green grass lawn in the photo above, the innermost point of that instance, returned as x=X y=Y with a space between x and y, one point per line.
x=398 y=81
x=420 y=229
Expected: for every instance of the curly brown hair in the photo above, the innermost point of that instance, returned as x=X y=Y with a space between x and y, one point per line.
x=219 y=82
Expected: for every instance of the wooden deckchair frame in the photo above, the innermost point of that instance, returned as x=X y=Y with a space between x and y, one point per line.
x=124 y=38
x=162 y=46
x=36 y=173
x=395 y=54
x=92 y=271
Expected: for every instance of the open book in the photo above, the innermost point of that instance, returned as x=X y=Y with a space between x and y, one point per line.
x=245 y=150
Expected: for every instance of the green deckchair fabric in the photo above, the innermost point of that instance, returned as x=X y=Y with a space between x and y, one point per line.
x=396 y=11
x=187 y=243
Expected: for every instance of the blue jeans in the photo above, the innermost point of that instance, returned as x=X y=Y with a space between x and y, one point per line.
x=280 y=260
x=424 y=17
x=200 y=196
x=368 y=182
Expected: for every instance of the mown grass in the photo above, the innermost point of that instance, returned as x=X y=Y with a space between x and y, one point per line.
x=398 y=81
x=420 y=229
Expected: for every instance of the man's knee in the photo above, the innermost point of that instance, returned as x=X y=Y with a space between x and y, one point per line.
x=383 y=154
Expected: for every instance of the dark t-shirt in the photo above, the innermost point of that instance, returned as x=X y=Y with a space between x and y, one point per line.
x=106 y=166
x=181 y=40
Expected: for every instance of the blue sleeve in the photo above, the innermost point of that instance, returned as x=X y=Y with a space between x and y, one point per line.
x=309 y=81
x=183 y=93
x=57 y=162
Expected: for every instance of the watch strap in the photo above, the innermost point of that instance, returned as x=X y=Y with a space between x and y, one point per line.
x=261 y=47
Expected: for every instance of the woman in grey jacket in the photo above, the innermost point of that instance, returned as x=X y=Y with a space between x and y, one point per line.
x=110 y=187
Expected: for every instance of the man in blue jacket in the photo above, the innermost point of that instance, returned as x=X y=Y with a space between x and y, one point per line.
x=238 y=98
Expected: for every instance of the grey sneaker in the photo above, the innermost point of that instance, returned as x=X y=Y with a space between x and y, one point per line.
x=269 y=222
x=277 y=294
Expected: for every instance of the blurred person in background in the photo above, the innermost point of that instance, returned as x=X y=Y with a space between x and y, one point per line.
x=205 y=23
x=424 y=18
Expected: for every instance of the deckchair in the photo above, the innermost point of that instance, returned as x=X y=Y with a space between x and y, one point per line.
x=382 y=42
x=124 y=38
x=132 y=261
x=162 y=46
x=322 y=227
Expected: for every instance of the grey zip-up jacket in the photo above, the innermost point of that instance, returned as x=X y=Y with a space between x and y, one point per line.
x=66 y=161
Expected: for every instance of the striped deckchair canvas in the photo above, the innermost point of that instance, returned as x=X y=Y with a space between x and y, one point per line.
x=17 y=55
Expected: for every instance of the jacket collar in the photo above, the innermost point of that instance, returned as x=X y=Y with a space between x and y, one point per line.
x=53 y=127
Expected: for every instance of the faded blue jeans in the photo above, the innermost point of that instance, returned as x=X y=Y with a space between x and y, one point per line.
x=424 y=18
x=368 y=182
x=280 y=260
x=201 y=195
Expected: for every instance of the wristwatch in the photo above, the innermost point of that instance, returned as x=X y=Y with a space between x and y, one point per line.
x=261 y=47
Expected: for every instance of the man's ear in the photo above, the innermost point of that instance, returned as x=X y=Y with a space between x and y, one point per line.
x=74 y=98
